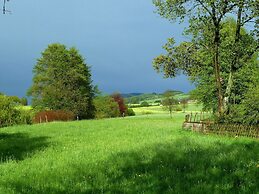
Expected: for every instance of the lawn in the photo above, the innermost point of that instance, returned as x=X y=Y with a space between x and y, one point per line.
x=143 y=154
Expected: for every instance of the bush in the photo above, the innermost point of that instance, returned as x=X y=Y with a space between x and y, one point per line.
x=130 y=112
x=144 y=104
x=247 y=112
x=251 y=106
x=10 y=114
x=26 y=117
x=178 y=108
x=106 y=107
x=158 y=101
x=53 y=115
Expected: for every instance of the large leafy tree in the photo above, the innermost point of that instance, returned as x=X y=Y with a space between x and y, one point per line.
x=206 y=18
x=194 y=59
x=62 y=81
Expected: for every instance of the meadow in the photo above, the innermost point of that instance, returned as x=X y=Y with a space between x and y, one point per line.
x=142 y=154
x=154 y=110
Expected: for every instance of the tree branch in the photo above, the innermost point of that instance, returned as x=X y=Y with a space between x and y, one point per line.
x=204 y=7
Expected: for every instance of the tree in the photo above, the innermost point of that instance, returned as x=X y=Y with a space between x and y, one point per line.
x=119 y=99
x=144 y=104
x=106 y=107
x=62 y=81
x=193 y=58
x=184 y=103
x=210 y=14
x=168 y=101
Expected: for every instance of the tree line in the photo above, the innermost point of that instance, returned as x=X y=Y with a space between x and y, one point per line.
x=62 y=88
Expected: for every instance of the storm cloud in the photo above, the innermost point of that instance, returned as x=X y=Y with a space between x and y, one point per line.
x=118 y=38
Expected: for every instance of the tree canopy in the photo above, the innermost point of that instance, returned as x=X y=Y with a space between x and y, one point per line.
x=206 y=19
x=62 y=81
x=219 y=48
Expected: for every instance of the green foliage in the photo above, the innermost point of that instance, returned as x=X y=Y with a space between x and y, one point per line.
x=115 y=156
x=62 y=81
x=10 y=114
x=151 y=98
x=193 y=59
x=169 y=102
x=250 y=106
x=144 y=104
x=178 y=108
x=130 y=112
x=106 y=107
x=184 y=103
x=245 y=104
x=219 y=47
x=24 y=101
x=117 y=97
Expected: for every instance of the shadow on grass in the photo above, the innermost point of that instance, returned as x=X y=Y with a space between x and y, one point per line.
x=18 y=146
x=182 y=166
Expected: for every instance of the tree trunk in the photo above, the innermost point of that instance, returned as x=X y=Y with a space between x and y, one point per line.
x=217 y=69
x=235 y=61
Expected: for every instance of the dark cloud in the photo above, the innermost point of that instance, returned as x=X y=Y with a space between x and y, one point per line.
x=118 y=38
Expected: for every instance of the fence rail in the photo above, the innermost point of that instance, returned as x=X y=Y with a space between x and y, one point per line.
x=201 y=122
x=197 y=117
x=233 y=130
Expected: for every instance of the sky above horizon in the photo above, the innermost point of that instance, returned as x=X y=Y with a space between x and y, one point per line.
x=118 y=39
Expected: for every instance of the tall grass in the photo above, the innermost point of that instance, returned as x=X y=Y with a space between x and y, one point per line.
x=130 y=155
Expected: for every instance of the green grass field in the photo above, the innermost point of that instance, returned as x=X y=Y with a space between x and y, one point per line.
x=143 y=154
x=193 y=107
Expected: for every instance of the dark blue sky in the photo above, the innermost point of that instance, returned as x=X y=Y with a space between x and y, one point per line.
x=118 y=38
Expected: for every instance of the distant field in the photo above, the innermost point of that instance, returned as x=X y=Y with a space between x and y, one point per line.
x=143 y=154
x=151 y=98
x=193 y=107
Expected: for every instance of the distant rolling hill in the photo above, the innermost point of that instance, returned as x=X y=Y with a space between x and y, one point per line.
x=137 y=98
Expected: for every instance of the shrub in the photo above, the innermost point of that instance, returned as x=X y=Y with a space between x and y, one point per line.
x=158 y=101
x=144 y=104
x=130 y=112
x=247 y=112
x=26 y=117
x=178 y=108
x=250 y=106
x=10 y=114
x=106 y=107
x=53 y=115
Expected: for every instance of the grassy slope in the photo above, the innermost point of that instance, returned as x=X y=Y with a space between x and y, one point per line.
x=193 y=107
x=152 y=98
x=143 y=154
